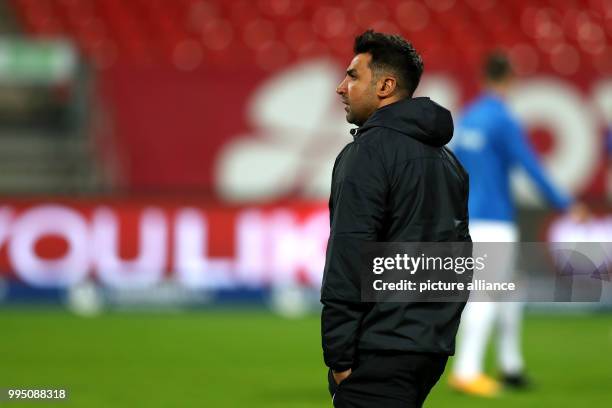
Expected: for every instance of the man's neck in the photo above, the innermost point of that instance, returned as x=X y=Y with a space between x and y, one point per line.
x=500 y=91
x=389 y=101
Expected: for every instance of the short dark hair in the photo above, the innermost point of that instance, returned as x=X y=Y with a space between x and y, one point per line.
x=497 y=67
x=394 y=53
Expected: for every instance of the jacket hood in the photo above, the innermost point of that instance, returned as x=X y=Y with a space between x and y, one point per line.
x=419 y=118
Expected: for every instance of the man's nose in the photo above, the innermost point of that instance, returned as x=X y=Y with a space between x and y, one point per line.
x=340 y=90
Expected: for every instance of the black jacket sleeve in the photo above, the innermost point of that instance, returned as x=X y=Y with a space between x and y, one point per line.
x=357 y=209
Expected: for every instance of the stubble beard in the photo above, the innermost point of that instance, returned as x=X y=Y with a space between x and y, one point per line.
x=350 y=118
x=359 y=120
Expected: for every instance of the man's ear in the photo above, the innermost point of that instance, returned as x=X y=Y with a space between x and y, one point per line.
x=386 y=87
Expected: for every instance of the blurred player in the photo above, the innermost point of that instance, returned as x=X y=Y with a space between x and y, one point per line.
x=490 y=142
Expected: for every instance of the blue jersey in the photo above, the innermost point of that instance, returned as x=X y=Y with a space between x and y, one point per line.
x=489 y=142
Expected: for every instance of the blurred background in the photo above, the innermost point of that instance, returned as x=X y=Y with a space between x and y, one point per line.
x=164 y=175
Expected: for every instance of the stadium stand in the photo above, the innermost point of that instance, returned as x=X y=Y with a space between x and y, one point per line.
x=453 y=34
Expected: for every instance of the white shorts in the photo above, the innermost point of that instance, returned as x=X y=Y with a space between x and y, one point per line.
x=500 y=258
x=493 y=231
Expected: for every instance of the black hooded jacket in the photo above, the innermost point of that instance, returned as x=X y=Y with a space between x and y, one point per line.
x=396 y=182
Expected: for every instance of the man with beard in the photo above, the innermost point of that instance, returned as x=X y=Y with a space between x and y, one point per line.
x=396 y=182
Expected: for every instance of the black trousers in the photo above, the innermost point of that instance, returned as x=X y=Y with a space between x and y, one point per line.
x=388 y=380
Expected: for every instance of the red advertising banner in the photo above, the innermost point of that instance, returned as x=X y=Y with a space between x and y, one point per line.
x=141 y=243
x=138 y=244
x=253 y=136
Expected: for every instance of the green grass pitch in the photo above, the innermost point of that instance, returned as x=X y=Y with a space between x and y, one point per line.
x=255 y=359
